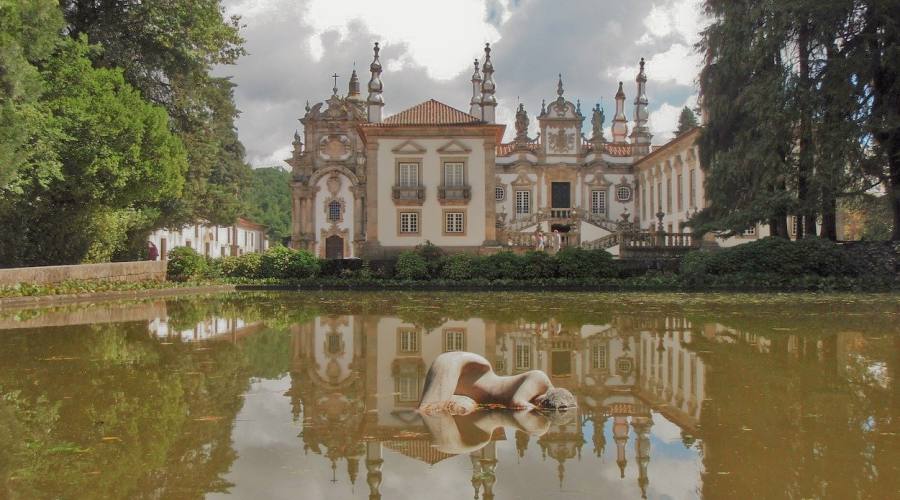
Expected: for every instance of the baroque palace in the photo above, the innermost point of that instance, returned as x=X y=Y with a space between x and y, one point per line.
x=367 y=185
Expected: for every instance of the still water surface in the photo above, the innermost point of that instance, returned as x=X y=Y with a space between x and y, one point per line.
x=311 y=396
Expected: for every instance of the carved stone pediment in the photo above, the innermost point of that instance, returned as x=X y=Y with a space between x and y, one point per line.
x=409 y=147
x=454 y=147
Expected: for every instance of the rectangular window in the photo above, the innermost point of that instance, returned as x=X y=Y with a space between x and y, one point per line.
x=409 y=340
x=523 y=357
x=669 y=194
x=409 y=222
x=643 y=202
x=598 y=357
x=408 y=384
x=408 y=175
x=659 y=205
x=454 y=222
x=454 y=175
x=334 y=211
x=598 y=202
x=454 y=340
x=652 y=212
x=679 y=190
x=523 y=202
x=692 y=195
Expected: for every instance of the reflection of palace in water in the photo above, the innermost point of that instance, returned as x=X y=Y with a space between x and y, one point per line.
x=357 y=379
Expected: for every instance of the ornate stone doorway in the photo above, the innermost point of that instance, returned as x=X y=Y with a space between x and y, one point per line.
x=334 y=247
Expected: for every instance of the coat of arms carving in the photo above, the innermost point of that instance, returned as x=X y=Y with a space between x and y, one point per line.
x=560 y=141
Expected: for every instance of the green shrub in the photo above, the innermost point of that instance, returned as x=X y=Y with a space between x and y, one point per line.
x=538 y=265
x=284 y=263
x=248 y=265
x=304 y=264
x=500 y=266
x=578 y=263
x=775 y=256
x=276 y=262
x=411 y=266
x=433 y=256
x=185 y=264
x=458 y=267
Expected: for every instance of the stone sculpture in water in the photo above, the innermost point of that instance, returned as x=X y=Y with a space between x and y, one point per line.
x=458 y=382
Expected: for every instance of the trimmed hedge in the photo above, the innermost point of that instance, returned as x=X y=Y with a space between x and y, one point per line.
x=278 y=262
x=770 y=256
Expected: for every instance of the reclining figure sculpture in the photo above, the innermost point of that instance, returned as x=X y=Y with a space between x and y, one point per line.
x=458 y=382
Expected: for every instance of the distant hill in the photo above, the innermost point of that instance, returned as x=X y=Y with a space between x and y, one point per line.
x=268 y=201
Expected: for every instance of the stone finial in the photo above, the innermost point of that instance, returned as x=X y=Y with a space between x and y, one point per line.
x=559 y=86
x=488 y=88
x=375 y=100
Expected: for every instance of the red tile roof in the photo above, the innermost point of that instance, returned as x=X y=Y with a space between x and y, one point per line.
x=430 y=112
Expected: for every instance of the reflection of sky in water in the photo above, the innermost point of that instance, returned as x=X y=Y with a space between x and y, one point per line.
x=272 y=464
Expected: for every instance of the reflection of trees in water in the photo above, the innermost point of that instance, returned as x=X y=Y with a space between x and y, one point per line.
x=802 y=419
x=104 y=411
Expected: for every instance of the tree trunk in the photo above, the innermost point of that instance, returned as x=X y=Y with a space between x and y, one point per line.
x=829 y=217
x=807 y=225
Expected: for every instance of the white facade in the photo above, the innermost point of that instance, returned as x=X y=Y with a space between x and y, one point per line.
x=213 y=241
x=369 y=186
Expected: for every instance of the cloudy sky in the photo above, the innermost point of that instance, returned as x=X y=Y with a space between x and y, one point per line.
x=428 y=47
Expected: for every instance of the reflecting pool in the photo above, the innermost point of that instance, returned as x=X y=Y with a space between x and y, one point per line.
x=312 y=395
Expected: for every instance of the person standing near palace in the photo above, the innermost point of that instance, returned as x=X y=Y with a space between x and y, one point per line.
x=152 y=251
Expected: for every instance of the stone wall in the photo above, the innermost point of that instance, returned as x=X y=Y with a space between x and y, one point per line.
x=112 y=271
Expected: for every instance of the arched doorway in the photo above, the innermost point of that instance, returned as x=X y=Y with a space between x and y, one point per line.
x=334 y=247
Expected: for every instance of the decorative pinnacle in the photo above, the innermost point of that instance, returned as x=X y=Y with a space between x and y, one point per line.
x=375 y=67
x=307 y=106
x=334 y=89
x=620 y=93
x=559 y=86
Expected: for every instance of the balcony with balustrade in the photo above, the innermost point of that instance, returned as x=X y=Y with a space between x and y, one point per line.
x=408 y=195
x=454 y=195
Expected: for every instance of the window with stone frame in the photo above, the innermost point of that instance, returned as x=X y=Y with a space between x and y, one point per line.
x=408 y=384
x=408 y=340
x=454 y=222
x=659 y=196
x=523 y=357
x=408 y=174
x=679 y=192
x=623 y=193
x=499 y=193
x=692 y=190
x=669 y=194
x=334 y=211
x=454 y=174
x=598 y=202
x=454 y=340
x=598 y=357
x=523 y=202
x=409 y=222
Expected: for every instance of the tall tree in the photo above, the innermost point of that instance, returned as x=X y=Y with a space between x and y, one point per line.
x=746 y=144
x=829 y=74
x=167 y=49
x=268 y=201
x=100 y=148
x=686 y=121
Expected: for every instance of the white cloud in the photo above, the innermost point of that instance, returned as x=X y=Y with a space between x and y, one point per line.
x=683 y=18
x=428 y=47
x=678 y=64
x=440 y=36
x=664 y=120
